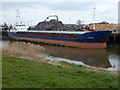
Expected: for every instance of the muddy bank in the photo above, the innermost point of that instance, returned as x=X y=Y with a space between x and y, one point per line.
x=27 y=51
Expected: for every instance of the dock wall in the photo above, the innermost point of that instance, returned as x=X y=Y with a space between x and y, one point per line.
x=100 y=27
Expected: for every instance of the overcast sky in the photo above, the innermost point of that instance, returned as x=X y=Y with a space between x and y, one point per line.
x=68 y=11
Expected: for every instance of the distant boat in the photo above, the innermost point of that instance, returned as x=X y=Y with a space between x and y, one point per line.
x=3 y=32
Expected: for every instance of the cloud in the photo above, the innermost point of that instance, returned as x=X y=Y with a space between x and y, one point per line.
x=60 y=1
x=38 y=11
x=71 y=6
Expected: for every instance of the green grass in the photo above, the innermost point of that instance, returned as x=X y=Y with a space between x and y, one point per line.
x=0 y=70
x=21 y=73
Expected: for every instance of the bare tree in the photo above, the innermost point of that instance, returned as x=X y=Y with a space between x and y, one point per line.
x=78 y=22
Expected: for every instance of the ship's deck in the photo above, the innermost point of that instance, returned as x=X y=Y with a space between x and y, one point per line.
x=57 y=32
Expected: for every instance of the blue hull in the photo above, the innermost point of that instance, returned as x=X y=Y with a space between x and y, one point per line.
x=96 y=36
x=93 y=37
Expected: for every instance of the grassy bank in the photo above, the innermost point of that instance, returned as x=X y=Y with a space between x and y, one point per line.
x=21 y=73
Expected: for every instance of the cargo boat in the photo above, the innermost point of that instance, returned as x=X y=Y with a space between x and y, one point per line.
x=3 y=32
x=82 y=39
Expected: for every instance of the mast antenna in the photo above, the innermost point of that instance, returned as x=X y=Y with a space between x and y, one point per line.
x=17 y=16
x=94 y=8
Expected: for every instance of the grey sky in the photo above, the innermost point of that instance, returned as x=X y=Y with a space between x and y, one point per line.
x=69 y=11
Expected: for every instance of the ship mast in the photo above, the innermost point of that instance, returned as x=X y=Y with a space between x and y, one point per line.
x=94 y=17
x=18 y=17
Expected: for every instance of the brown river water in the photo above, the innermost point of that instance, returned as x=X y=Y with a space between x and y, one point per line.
x=101 y=58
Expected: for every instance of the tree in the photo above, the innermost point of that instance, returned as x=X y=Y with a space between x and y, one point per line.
x=78 y=22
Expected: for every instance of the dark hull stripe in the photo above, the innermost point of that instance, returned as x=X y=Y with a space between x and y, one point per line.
x=67 y=43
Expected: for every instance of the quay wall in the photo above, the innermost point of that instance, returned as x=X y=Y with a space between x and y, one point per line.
x=115 y=37
x=105 y=26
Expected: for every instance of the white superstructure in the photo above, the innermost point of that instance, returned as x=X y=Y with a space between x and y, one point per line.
x=19 y=26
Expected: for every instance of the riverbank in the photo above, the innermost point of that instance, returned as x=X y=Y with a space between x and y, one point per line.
x=51 y=54
x=23 y=73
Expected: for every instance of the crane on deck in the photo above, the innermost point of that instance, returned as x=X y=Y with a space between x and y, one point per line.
x=53 y=16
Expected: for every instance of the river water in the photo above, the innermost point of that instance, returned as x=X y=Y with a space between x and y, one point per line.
x=100 y=58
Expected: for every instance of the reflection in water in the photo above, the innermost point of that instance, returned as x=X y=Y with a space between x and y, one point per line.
x=114 y=55
x=3 y=43
x=92 y=57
